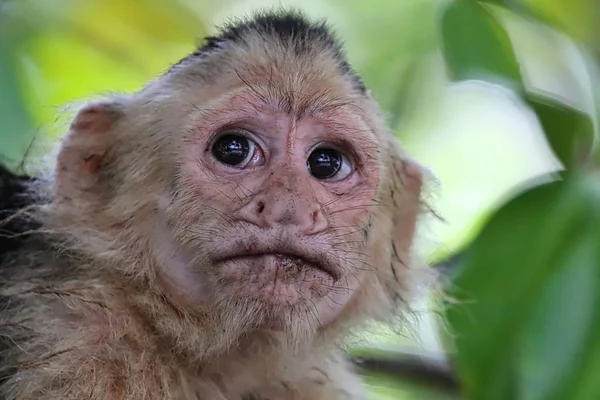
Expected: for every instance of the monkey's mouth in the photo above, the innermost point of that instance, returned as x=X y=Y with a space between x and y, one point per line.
x=276 y=275
x=289 y=260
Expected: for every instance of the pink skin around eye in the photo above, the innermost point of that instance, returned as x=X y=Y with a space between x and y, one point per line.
x=258 y=158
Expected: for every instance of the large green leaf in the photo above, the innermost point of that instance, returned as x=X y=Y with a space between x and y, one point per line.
x=476 y=46
x=553 y=346
x=570 y=132
x=576 y=18
x=504 y=274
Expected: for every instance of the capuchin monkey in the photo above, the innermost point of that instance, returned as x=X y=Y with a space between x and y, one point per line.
x=219 y=234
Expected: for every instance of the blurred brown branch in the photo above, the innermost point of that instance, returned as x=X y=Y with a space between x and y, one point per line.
x=425 y=370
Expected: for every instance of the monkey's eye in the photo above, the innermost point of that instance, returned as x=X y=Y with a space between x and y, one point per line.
x=234 y=149
x=328 y=164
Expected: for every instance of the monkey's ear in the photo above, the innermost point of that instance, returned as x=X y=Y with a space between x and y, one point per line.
x=82 y=150
x=406 y=185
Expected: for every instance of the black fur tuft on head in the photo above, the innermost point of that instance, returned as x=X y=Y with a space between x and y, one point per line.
x=291 y=27
x=13 y=197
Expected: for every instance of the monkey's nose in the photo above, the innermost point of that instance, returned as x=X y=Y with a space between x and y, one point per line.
x=302 y=214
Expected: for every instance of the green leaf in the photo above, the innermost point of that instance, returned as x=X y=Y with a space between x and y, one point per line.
x=383 y=64
x=504 y=3
x=570 y=132
x=563 y=326
x=16 y=129
x=476 y=46
x=505 y=272
x=134 y=40
x=576 y=18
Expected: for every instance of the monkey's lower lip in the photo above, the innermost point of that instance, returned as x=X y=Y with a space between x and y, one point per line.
x=292 y=258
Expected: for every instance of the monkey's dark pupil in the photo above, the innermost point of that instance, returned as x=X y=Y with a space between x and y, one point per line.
x=231 y=149
x=324 y=163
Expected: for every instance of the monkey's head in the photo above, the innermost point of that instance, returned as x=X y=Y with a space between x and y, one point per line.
x=255 y=180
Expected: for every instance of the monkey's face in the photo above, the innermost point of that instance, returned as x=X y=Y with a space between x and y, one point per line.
x=246 y=180
x=273 y=208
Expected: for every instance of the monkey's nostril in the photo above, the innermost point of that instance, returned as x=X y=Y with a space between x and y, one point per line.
x=315 y=215
x=260 y=207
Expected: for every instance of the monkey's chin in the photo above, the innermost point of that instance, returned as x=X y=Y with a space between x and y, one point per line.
x=275 y=280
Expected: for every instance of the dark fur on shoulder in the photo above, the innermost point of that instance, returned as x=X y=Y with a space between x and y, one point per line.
x=26 y=253
x=13 y=198
x=13 y=234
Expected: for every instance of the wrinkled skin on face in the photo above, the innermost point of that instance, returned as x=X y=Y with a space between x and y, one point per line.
x=268 y=231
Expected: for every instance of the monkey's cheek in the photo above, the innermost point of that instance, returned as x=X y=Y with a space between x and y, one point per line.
x=274 y=283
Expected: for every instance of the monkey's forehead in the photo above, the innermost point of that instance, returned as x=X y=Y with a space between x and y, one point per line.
x=286 y=61
x=274 y=37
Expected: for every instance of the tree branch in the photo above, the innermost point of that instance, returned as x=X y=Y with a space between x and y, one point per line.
x=427 y=370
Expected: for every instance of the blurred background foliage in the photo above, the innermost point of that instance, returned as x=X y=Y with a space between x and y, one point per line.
x=499 y=98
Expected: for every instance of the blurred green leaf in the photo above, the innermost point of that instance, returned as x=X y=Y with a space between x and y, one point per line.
x=16 y=128
x=576 y=18
x=570 y=132
x=497 y=2
x=94 y=46
x=505 y=272
x=383 y=64
x=476 y=46
x=565 y=322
